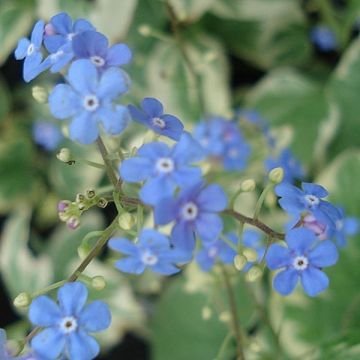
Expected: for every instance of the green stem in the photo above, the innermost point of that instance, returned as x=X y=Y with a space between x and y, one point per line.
x=108 y=166
x=48 y=288
x=91 y=163
x=269 y=187
x=223 y=347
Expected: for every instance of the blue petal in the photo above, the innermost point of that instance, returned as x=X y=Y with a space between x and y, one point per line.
x=252 y=238
x=152 y=107
x=63 y=102
x=124 y=246
x=135 y=169
x=156 y=189
x=62 y=23
x=285 y=281
x=351 y=225
x=165 y=268
x=165 y=211
x=90 y=43
x=113 y=82
x=300 y=239
x=32 y=66
x=44 y=312
x=81 y=346
x=114 y=121
x=137 y=114
x=21 y=50
x=72 y=297
x=285 y=189
x=291 y=205
x=83 y=76
x=173 y=127
x=314 y=189
x=154 y=150
x=314 y=281
x=83 y=128
x=212 y=198
x=208 y=226
x=324 y=254
x=49 y=343
x=187 y=176
x=204 y=260
x=131 y=265
x=53 y=43
x=59 y=61
x=183 y=238
x=95 y=317
x=188 y=150
x=83 y=25
x=154 y=240
x=38 y=34
x=118 y=54
x=277 y=257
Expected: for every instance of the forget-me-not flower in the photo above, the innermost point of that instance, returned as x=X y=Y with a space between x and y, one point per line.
x=163 y=168
x=194 y=210
x=67 y=325
x=324 y=38
x=47 y=135
x=152 y=251
x=152 y=116
x=303 y=258
x=87 y=100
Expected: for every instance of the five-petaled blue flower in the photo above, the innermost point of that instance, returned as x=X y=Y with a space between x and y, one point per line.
x=303 y=258
x=47 y=135
x=30 y=50
x=217 y=250
x=163 y=168
x=88 y=101
x=152 y=251
x=194 y=210
x=291 y=165
x=94 y=46
x=324 y=38
x=309 y=200
x=152 y=115
x=68 y=324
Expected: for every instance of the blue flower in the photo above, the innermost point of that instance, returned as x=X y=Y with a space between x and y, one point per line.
x=291 y=166
x=163 y=168
x=324 y=38
x=152 y=115
x=309 y=200
x=94 y=46
x=303 y=258
x=254 y=240
x=194 y=210
x=67 y=325
x=217 y=250
x=222 y=141
x=152 y=251
x=345 y=226
x=88 y=101
x=30 y=50
x=47 y=135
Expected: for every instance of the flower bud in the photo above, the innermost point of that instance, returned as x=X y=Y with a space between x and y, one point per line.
x=250 y=254
x=81 y=206
x=90 y=193
x=240 y=261
x=206 y=313
x=276 y=175
x=102 y=203
x=40 y=94
x=253 y=274
x=64 y=155
x=248 y=185
x=63 y=216
x=80 y=198
x=225 y=316
x=73 y=222
x=144 y=30
x=22 y=300
x=126 y=221
x=98 y=283
x=63 y=205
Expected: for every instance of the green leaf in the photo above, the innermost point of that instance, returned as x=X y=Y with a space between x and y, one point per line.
x=22 y=271
x=288 y=99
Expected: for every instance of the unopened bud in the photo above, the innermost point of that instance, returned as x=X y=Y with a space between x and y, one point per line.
x=22 y=300
x=90 y=193
x=276 y=175
x=240 y=261
x=63 y=216
x=225 y=316
x=253 y=274
x=64 y=155
x=206 y=313
x=40 y=94
x=102 y=203
x=144 y=30
x=73 y=222
x=98 y=283
x=126 y=221
x=248 y=185
x=63 y=205
x=80 y=198
x=250 y=254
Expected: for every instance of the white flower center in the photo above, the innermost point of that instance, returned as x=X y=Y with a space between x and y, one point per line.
x=165 y=165
x=91 y=102
x=233 y=153
x=70 y=36
x=160 y=123
x=189 y=211
x=212 y=252
x=30 y=49
x=68 y=324
x=300 y=263
x=148 y=258
x=312 y=200
x=97 y=60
